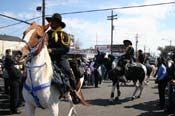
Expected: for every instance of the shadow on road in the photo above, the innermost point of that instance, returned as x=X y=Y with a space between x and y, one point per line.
x=106 y=102
x=151 y=108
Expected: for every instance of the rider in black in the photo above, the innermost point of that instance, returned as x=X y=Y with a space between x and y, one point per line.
x=59 y=45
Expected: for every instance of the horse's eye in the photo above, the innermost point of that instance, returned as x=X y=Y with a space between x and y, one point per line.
x=38 y=36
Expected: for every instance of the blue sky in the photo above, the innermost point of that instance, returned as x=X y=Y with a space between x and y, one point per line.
x=155 y=25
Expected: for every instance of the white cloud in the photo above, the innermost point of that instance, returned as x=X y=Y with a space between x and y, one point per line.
x=159 y=12
x=144 y=21
x=22 y=15
x=89 y=33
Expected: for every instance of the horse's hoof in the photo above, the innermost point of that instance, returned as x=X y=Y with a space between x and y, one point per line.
x=119 y=93
x=138 y=97
x=112 y=94
x=133 y=97
x=116 y=98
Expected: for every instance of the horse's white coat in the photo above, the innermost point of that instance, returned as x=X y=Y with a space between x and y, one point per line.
x=28 y=35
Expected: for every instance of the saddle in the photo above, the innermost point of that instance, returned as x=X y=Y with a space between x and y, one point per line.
x=62 y=82
x=128 y=65
x=60 y=79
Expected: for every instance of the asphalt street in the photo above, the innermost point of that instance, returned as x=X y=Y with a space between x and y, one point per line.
x=100 y=105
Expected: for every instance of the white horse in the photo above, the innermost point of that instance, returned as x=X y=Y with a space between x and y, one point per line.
x=38 y=91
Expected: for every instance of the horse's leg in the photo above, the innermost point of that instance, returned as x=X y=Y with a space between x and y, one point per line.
x=135 y=91
x=113 y=90
x=54 y=108
x=72 y=110
x=29 y=109
x=141 y=86
x=118 y=90
x=80 y=84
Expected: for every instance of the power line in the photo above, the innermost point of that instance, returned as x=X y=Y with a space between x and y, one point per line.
x=119 y=8
x=14 y=19
x=19 y=22
x=97 y=10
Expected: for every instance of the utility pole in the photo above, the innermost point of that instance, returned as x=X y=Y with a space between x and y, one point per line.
x=136 y=43
x=42 y=8
x=96 y=42
x=170 y=45
x=144 y=48
x=43 y=13
x=112 y=17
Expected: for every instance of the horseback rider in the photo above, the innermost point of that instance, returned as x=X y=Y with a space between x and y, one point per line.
x=140 y=57
x=129 y=51
x=58 y=47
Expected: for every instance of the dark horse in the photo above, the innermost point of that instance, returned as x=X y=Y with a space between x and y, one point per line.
x=122 y=69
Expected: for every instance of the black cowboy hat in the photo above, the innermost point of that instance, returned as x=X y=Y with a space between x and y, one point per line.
x=58 y=17
x=127 y=41
x=140 y=50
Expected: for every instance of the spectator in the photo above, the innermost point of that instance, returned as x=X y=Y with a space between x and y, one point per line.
x=171 y=95
x=161 y=80
x=14 y=76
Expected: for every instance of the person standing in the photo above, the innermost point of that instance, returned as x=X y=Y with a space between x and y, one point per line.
x=99 y=60
x=58 y=47
x=171 y=94
x=14 y=77
x=161 y=80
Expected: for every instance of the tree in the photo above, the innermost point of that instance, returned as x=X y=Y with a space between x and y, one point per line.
x=166 y=51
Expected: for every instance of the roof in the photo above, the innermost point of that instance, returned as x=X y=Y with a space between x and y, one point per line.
x=9 y=38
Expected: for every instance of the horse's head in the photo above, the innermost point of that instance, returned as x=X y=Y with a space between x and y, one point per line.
x=34 y=38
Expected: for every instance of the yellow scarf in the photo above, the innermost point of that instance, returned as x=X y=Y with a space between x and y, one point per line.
x=55 y=35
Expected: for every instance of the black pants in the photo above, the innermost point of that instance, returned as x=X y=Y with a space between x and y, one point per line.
x=14 y=95
x=64 y=64
x=14 y=78
x=161 y=89
x=96 y=77
x=171 y=99
x=6 y=85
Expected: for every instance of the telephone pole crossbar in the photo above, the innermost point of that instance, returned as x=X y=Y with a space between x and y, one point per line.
x=112 y=17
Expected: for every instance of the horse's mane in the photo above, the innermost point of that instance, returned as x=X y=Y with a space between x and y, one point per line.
x=48 y=62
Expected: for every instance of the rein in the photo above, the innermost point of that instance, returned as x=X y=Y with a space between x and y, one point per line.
x=36 y=49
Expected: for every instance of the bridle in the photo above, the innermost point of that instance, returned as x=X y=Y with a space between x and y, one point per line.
x=33 y=51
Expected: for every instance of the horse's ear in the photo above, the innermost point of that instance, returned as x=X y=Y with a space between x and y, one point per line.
x=33 y=23
x=45 y=27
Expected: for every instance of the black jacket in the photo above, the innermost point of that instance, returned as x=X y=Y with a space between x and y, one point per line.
x=59 y=49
